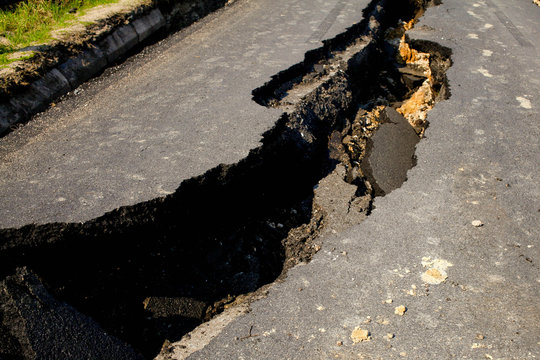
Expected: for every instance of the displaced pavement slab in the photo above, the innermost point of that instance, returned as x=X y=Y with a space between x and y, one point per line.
x=469 y=292
x=391 y=153
x=37 y=326
x=176 y=110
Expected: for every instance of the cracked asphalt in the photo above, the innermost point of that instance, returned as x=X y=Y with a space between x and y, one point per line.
x=417 y=275
x=470 y=292
x=181 y=107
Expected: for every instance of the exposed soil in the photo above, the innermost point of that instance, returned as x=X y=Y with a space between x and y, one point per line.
x=154 y=271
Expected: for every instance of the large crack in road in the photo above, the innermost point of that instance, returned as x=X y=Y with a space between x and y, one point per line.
x=353 y=112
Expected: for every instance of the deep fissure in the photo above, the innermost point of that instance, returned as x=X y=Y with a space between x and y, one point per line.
x=155 y=270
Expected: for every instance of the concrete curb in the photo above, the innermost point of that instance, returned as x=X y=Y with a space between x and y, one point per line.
x=78 y=69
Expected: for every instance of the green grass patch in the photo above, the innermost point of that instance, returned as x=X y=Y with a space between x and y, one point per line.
x=5 y=60
x=31 y=22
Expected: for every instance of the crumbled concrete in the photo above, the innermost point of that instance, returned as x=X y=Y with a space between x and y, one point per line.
x=359 y=335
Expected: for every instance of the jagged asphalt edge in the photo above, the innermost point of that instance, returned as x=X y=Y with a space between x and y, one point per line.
x=70 y=74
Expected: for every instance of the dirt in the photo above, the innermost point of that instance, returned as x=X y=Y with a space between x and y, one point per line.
x=152 y=272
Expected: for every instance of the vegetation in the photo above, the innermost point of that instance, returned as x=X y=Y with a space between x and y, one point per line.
x=31 y=22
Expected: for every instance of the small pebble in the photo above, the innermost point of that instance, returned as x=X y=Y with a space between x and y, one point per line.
x=477 y=223
x=339 y=343
x=400 y=310
x=359 y=335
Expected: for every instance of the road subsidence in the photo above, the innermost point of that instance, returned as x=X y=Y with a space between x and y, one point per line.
x=353 y=111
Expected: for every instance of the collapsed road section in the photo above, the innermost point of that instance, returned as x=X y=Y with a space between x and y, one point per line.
x=125 y=282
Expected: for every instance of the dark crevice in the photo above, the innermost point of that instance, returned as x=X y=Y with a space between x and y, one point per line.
x=155 y=270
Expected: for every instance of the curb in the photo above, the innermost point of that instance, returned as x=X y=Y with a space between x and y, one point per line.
x=76 y=70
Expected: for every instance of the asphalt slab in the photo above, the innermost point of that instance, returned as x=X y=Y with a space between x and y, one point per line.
x=178 y=109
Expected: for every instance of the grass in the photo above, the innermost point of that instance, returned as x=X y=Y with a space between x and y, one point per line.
x=31 y=22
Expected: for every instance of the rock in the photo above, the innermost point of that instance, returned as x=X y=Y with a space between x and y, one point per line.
x=477 y=223
x=359 y=335
x=434 y=276
x=400 y=310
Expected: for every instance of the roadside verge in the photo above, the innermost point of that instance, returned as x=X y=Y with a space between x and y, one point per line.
x=65 y=64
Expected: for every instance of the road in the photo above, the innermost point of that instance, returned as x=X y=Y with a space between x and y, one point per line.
x=178 y=109
x=456 y=247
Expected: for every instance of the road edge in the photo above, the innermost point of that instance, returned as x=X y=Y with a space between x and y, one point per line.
x=67 y=75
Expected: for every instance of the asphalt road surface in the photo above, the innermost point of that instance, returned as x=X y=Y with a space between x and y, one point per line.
x=184 y=106
x=178 y=109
